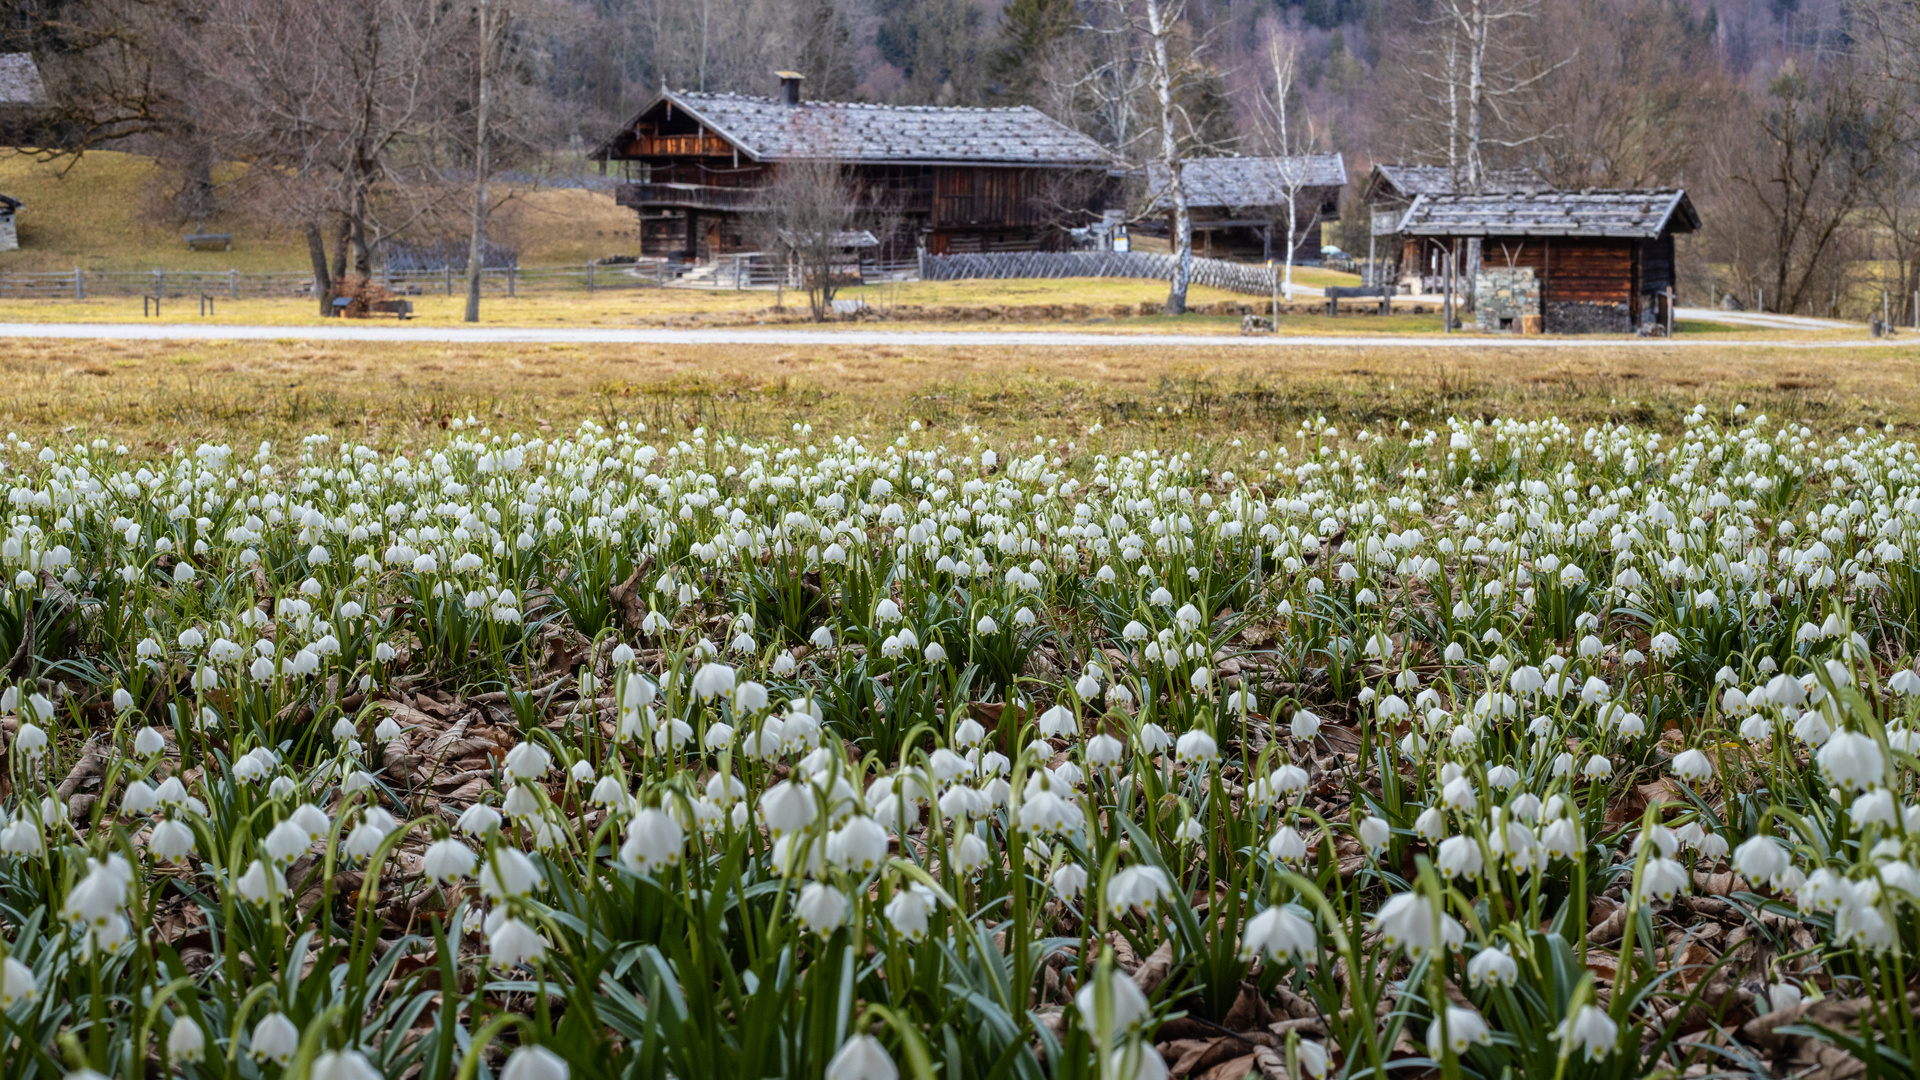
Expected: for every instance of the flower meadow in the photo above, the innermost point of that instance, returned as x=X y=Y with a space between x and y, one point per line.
x=1500 y=749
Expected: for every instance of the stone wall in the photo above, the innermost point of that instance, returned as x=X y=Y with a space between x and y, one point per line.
x=1503 y=296
x=1582 y=317
x=8 y=238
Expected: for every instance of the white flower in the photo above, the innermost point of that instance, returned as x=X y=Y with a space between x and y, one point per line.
x=822 y=909
x=1492 y=966
x=185 y=1041
x=1276 y=933
x=17 y=983
x=447 y=861
x=1129 y=1006
x=1374 y=832
x=1463 y=1028
x=1664 y=879
x=343 y=1064
x=1692 y=765
x=512 y=943
x=1196 y=747
x=862 y=1057
x=1852 y=760
x=908 y=910
x=1459 y=857
x=275 y=1039
x=508 y=873
x=528 y=760
x=534 y=1063
x=858 y=846
x=1070 y=881
x=655 y=842
x=787 y=808
x=1144 y=886
x=1590 y=1030
x=1408 y=921
x=1058 y=723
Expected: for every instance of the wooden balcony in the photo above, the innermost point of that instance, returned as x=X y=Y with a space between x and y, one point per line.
x=702 y=145
x=688 y=197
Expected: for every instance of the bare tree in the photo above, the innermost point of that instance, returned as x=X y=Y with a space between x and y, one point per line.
x=810 y=216
x=343 y=108
x=1802 y=179
x=491 y=20
x=1479 y=69
x=1289 y=147
x=1157 y=25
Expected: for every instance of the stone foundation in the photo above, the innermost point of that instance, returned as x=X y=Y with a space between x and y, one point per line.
x=1580 y=317
x=1502 y=297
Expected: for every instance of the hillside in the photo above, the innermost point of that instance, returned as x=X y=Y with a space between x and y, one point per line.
x=108 y=211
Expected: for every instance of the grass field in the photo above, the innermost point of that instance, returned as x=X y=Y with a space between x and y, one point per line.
x=109 y=211
x=161 y=393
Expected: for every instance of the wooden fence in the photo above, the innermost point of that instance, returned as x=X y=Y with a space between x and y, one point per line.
x=1218 y=273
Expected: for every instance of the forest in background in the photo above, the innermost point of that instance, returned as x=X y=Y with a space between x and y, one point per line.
x=1793 y=124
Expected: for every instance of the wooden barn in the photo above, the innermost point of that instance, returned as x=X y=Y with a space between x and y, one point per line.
x=1580 y=261
x=1239 y=204
x=949 y=179
x=1408 y=262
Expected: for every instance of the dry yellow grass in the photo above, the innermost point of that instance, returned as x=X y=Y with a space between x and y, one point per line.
x=1073 y=303
x=110 y=211
x=161 y=393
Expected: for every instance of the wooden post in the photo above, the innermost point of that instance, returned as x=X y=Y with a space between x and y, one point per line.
x=589 y=275
x=79 y=290
x=233 y=283
x=449 y=269
x=511 y=268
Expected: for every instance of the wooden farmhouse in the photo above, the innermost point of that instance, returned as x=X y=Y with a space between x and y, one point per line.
x=1239 y=204
x=1409 y=262
x=1580 y=261
x=948 y=179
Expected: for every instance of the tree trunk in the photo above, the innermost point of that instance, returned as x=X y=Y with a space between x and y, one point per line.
x=317 y=252
x=1182 y=231
x=479 y=168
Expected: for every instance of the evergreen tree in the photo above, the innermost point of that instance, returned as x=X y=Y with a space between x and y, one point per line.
x=826 y=51
x=1029 y=29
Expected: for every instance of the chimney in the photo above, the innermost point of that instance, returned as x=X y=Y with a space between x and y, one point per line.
x=790 y=86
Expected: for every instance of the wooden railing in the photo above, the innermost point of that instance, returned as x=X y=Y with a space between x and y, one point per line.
x=689 y=196
x=702 y=145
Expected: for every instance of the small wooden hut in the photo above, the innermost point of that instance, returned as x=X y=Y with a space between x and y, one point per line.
x=9 y=236
x=1579 y=261
x=1407 y=262
x=1239 y=204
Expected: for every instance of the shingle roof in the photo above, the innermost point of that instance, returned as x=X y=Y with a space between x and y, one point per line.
x=1248 y=181
x=1410 y=181
x=1634 y=213
x=8 y=204
x=769 y=129
x=20 y=82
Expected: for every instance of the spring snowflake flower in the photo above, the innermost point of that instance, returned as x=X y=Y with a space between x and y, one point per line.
x=1408 y=921
x=1278 y=933
x=1590 y=1031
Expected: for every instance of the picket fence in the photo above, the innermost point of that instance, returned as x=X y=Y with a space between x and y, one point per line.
x=1218 y=273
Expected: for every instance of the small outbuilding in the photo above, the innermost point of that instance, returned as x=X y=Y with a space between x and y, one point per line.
x=1409 y=263
x=1238 y=205
x=9 y=235
x=1577 y=261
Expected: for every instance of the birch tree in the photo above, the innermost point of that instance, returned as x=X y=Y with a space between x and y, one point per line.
x=1157 y=25
x=1289 y=147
